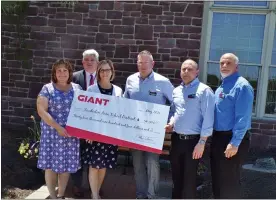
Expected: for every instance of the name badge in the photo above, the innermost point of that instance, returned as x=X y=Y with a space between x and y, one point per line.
x=191 y=96
x=152 y=93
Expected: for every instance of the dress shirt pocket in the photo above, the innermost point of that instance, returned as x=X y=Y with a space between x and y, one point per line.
x=154 y=96
x=155 y=92
x=193 y=101
x=227 y=102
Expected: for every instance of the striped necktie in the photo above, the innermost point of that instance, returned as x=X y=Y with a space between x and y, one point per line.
x=91 y=80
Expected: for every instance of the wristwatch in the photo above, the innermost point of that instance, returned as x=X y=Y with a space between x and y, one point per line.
x=201 y=141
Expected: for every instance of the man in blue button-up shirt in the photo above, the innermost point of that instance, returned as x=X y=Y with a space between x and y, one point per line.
x=192 y=123
x=230 y=143
x=147 y=86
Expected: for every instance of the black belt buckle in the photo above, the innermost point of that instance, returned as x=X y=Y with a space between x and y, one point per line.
x=182 y=137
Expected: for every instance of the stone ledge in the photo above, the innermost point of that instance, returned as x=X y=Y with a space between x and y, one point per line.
x=251 y=167
x=41 y=193
x=264 y=120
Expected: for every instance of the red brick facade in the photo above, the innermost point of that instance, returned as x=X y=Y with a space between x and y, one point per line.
x=171 y=31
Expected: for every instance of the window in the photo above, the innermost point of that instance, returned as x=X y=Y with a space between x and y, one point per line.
x=243 y=35
x=249 y=34
x=270 y=107
x=262 y=4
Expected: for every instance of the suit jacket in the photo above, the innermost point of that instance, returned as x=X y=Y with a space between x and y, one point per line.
x=80 y=78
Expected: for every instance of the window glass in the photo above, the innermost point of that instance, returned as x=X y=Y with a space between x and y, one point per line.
x=241 y=34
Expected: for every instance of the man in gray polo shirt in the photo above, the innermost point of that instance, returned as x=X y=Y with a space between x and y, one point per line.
x=148 y=86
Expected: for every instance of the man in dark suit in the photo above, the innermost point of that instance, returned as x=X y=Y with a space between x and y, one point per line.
x=87 y=76
x=84 y=78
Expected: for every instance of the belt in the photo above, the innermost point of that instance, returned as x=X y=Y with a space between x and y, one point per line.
x=186 y=137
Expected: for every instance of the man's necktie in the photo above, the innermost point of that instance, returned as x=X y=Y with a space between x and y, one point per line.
x=91 y=80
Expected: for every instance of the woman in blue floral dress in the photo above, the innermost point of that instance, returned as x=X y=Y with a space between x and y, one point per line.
x=59 y=153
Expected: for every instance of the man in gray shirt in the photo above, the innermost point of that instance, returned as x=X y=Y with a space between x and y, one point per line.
x=148 y=86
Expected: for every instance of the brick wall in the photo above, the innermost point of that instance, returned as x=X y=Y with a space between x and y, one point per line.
x=263 y=134
x=117 y=30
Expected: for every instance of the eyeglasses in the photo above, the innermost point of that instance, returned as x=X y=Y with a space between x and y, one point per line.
x=105 y=70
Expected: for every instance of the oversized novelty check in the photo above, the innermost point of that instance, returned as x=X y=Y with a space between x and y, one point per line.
x=117 y=120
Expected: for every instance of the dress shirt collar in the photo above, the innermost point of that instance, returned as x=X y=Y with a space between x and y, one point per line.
x=194 y=82
x=230 y=78
x=88 y=74
x=149 y=76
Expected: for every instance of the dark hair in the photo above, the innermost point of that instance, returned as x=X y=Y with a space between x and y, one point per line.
x=99 y=67
x=67 y=65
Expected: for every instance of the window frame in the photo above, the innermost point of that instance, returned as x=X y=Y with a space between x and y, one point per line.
x=269 y=31
x=241 y=6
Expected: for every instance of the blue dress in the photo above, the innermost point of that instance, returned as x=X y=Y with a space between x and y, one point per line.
x=60 y=154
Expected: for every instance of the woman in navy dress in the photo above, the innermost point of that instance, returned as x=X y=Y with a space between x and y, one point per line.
x=58 y=153
x=100 y=156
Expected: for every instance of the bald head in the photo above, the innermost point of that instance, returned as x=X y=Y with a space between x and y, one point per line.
x=190 y=62
x=189 y=71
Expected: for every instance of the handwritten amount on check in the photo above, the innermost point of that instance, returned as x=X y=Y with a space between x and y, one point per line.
x=137 y=127
x=121 y=116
